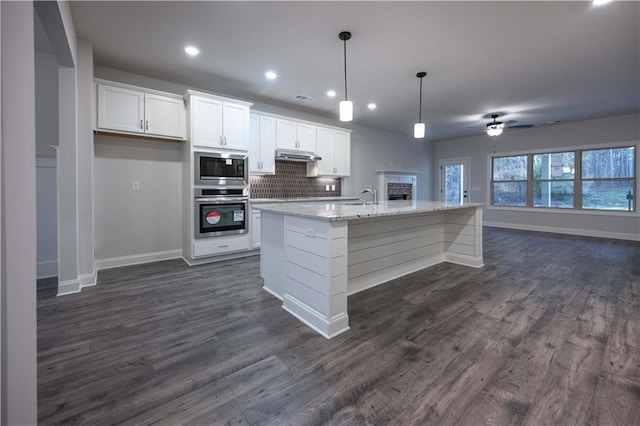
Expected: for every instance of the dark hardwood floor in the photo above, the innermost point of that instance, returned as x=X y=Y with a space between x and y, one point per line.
x=547 y=332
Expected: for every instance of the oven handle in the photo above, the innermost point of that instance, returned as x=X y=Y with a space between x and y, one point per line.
x=221 y=200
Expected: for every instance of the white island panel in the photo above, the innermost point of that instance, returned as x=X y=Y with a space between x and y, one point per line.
x=318 y=254
x=388 y=247
x=465 y=246
x=316 y=273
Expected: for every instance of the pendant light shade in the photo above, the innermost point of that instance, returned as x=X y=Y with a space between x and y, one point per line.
x=419 y=127
x=346 y=106
x=346 y=111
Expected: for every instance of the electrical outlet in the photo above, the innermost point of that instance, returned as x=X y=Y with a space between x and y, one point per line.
x=327 y=187
x=333 y=187
x=135 y=185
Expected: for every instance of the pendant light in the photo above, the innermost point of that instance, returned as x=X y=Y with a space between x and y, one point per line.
x=419 y=128
x=346 y=106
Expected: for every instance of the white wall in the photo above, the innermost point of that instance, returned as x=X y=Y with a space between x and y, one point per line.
x=47 y=217
x=46 y=104
x=86 y=249
x=124 y=229
x=46 y=87
x=624 y=129
x=18 y=216
x=130 y=223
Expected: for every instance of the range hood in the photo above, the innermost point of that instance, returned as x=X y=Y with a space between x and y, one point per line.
x=290 y=155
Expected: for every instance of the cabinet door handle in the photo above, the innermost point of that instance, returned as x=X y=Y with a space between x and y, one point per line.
x=220 y=141
x=223 y=246
x=225 y=141
x=140 y=124
x=146 y=124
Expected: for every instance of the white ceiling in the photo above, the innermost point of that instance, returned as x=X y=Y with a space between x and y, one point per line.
x=535 y=62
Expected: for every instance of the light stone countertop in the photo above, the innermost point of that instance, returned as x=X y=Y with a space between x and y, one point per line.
x=302 y=199
x=344 y=210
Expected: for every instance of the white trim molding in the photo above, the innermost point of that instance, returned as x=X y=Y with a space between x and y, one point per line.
x=88 y=280
x=68 y=287
x=136 y=259
x=568 y=231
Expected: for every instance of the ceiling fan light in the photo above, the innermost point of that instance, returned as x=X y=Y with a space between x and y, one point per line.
x=346 y=110
x=494 y=130
x=418 y=130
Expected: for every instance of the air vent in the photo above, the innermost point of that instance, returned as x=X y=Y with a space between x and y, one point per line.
x=303 y=97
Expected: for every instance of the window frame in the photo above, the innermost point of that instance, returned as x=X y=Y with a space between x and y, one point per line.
x=577 y=181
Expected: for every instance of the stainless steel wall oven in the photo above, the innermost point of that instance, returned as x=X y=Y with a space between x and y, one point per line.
x=221 y=211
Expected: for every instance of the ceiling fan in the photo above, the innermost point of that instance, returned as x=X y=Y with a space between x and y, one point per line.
x=495 y=127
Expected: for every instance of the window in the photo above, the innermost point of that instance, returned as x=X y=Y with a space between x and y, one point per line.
x=553 y=176
x=608 y=178
x=509 y=181
x=594 y=179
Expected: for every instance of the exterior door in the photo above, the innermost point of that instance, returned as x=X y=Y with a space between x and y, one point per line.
x=454 y=180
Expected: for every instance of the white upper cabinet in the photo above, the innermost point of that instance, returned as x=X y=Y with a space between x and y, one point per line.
x=262 y=144
x=296 y=136
x=217 y=122
x=164 y=116
x=129 y=109
x=334 y=146
x=205 y=118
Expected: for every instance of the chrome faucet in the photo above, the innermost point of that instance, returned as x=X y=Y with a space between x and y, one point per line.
x=373 y=193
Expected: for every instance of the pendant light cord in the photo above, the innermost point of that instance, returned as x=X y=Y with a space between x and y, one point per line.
x=345 y=69
x=420 y=109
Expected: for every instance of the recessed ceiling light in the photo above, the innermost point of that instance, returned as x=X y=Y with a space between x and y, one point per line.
x=600 y=2
x=371 y=106
x=331 y=93
x=271 y=75
x=192 y=50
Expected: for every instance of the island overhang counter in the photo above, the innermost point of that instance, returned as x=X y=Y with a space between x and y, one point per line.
x=314 y=255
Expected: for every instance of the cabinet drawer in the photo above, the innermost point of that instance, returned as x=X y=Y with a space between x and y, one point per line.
x=220 y=245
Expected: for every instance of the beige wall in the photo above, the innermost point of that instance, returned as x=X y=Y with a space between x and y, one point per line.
x=132 y=223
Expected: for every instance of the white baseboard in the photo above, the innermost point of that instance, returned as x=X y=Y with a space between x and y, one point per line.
x=464 y=260
x=88 y=280
x=47 y=269
x=569 y=231
x=68 y=287
x=327 y=328
x=136 y=259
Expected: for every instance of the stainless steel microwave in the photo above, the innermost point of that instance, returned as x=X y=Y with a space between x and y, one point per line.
x=220 y=168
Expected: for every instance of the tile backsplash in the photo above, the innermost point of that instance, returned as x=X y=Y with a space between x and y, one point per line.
x=291 y=181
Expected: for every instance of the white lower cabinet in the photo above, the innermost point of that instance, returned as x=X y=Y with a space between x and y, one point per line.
x=256 y=229
x=220 y=245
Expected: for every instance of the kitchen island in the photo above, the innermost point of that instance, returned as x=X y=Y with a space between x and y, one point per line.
x=314 y=255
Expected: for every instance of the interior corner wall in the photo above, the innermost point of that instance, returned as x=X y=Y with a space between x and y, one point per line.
x=602 y=131
x=18 y=235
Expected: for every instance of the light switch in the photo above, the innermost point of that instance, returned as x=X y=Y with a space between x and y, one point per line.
x=135 y=185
